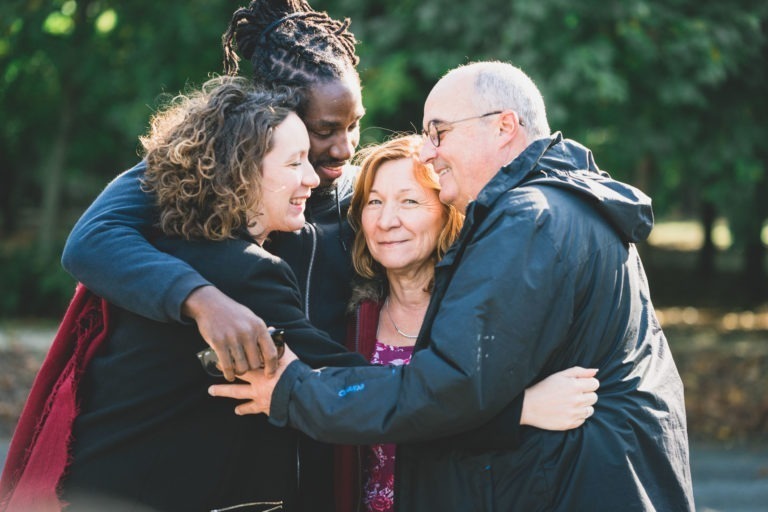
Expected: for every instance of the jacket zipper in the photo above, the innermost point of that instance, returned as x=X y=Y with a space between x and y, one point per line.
x=276 y=505
x=359 y=493
x=298 y=466
x=309 y=270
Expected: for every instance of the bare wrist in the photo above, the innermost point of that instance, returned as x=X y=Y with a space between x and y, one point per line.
x=194 y=303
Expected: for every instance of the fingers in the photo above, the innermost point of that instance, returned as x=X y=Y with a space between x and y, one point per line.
x=579 y=372
x=253 y=354
x=250 y=408
x=589 y=398
x=225 y=362
x=268 y=353
x=230 y=328
x=236 y=391
x=241 y=364
x=588 y=384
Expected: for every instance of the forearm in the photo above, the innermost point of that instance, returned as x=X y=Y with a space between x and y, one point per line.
x=487 y=343
x=382 y=404
x=109 y=253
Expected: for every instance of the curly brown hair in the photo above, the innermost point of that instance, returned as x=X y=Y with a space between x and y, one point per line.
x=203 y=154
x=371 y=159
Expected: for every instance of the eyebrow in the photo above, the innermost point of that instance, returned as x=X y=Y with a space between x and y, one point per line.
x=399 y=191
x=326 y=123
x=294 y=155
x=437 y=122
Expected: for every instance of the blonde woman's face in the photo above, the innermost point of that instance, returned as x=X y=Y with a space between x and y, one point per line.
x=401 y=219
x=287 y=180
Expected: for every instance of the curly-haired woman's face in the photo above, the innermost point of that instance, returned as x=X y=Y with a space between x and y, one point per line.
x=287 y=180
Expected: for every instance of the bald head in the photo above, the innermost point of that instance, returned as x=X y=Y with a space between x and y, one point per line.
x=495 y=85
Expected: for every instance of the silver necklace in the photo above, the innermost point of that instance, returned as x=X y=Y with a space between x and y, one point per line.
x=401 y=333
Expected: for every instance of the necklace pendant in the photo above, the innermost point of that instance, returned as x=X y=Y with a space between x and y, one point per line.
x=392 y=321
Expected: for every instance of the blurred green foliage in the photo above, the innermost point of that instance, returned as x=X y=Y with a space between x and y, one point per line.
x=669 y=94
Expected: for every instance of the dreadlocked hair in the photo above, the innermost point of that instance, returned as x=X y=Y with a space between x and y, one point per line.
x=289 y=43
x=204 y=152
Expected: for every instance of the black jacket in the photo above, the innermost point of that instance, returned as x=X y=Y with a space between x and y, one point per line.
x=319 y=255
x=148 y=433
x=544 y=276
x=108 y=251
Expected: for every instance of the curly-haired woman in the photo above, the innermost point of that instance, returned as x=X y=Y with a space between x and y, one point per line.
x=228 y=166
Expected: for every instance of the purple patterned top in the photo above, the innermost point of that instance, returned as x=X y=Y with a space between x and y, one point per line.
x=379 y=459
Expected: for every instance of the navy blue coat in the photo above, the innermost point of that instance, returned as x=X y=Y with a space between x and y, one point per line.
x=149 y=435
x=109 y=251
x=117 y=226
x=544 y=276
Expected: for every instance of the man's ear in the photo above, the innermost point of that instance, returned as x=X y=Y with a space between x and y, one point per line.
x=509 y=126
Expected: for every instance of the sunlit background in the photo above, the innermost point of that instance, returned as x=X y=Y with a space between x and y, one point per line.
x=671 y=97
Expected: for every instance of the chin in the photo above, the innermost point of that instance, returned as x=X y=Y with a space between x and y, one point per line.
x=295 y=226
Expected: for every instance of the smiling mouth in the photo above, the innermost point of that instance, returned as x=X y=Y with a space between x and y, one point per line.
x=332 y=166
x=299 y=201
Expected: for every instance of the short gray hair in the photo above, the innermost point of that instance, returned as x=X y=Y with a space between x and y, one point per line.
x=500 y=86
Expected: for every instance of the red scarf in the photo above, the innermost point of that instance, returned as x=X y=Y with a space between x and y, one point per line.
x=39 y=452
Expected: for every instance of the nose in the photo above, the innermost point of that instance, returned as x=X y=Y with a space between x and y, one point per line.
x=344 y=146
x=309 y=177
x=389 y=217
x=428 y=151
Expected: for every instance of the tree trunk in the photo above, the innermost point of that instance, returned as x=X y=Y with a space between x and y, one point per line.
x=707 y=252
x=755 y=283
x=8 y=194
x=53 y=173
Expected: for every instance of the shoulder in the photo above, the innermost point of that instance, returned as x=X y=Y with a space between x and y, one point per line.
x=227 y=262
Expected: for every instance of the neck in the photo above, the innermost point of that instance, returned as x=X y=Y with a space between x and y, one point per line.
x=258 y=233
x=410 y=290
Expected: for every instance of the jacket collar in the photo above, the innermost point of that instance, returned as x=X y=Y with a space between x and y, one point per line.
x=516 y=172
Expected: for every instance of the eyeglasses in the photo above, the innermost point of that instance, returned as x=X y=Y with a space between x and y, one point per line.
x=433 y=132
x=210 y=362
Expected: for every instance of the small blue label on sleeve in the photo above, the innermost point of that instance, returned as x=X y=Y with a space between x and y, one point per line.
x=351 y=389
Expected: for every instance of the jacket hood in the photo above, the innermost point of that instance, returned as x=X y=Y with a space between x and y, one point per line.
x=566 y=164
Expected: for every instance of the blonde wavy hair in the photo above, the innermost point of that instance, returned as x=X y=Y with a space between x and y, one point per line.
x=371 y=159
x=204 y=152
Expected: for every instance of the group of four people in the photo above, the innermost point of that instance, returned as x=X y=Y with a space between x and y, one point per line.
x=237 y=219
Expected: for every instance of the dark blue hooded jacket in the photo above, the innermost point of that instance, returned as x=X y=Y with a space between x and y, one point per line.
x=544 y=276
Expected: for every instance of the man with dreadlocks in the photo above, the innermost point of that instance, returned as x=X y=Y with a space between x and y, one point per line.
x=288 y=44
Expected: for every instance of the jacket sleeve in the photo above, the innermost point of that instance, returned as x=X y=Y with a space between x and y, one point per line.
x=109 y=253
x=504 y=313
x=266 y=285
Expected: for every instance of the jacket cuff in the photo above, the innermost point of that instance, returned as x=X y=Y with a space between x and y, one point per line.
x=278 y=409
